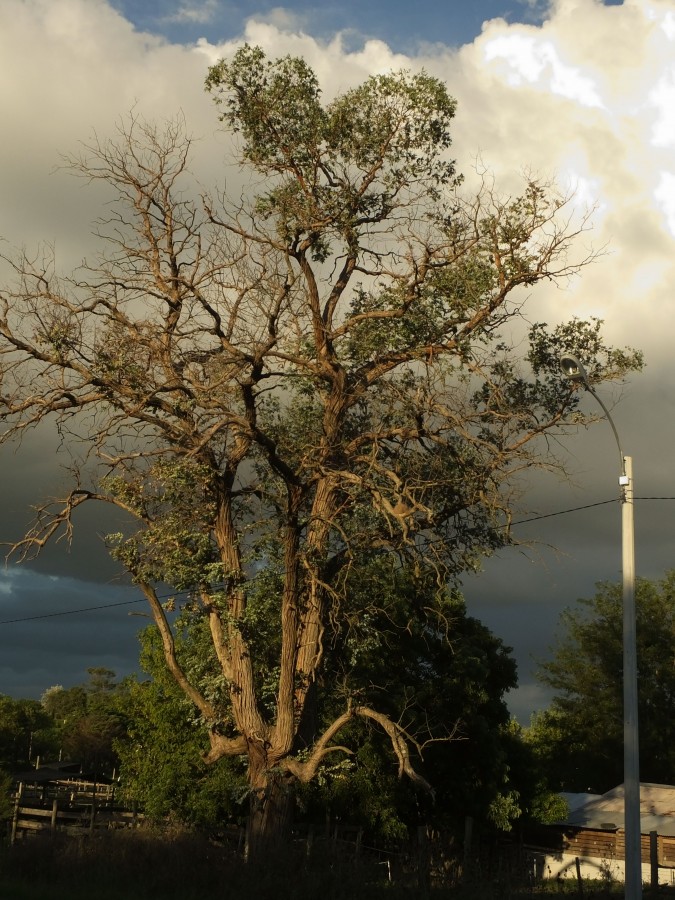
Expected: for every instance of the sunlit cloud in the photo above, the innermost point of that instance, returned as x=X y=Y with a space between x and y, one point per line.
x=525 y=58
x=282 y=19
x=668 y=25
x=665 y=197
x=662 y=98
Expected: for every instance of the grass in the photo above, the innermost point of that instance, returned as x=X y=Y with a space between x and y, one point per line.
x=142 y=865
x=14 y=890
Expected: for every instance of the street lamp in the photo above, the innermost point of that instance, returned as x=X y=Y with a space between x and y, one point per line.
x=575 y=372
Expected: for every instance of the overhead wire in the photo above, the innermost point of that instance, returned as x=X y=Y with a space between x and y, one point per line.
x=71 y=612
x=562 y=512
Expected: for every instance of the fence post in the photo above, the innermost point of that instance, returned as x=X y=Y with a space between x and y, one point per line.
x=580 y=881
x=654 y=861
x=54 y=817
x=15 y=816
x=423 y=861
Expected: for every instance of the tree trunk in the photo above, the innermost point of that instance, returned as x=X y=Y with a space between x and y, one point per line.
x=271 y=811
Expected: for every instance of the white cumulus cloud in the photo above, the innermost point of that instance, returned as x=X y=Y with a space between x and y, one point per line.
x=524 y=58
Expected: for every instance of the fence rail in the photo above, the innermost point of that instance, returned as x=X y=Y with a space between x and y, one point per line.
x=73 y=807
x=83 y=792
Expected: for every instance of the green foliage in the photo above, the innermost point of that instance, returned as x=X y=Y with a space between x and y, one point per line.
x=176 y=547
x=362 y=790
x=584 y=340
x=402 y=646
x=275 y=106
x=504 y=809
x=25 y=733
x=450 y=679
x=339 y=166
x=579 y=739
x=160 y=753
x=548 y=807
x=87 y=719
x=63 y=705
x=6 y=790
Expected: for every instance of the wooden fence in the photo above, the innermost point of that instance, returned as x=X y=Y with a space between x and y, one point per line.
x=76 y=791
x=75 y=807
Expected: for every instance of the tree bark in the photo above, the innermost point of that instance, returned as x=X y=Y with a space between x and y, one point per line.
x=272 y=804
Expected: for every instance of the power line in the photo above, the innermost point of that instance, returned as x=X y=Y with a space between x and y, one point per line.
x=72 y=612
x=562 y=512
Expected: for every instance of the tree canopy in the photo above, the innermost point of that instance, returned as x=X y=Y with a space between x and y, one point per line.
x=87 y=719
x=24 y=733
x=287 y=385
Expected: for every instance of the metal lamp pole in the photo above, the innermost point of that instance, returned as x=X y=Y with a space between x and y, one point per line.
x=575 y=372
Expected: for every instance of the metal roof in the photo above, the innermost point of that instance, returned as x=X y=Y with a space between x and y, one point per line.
x=605 y=812
x=574 y=801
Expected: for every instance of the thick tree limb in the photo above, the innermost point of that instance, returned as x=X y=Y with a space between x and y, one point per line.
x=399 y=738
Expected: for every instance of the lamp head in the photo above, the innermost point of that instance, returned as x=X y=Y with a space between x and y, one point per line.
x=573 y=369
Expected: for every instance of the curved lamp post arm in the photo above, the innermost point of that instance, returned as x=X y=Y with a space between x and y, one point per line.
x=616 y=433
x=575 y=372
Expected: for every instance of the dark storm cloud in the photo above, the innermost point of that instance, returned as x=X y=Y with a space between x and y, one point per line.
x=50 y=635
x=522 y=592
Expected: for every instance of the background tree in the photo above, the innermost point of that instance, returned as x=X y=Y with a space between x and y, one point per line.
x=580 y=737
x=282 y=382
x=25 y=736
x=87 y=719
x=65 y=705
x=25 y=733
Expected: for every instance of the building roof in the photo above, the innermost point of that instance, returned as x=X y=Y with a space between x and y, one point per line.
x=605 y=812
x=574 y=801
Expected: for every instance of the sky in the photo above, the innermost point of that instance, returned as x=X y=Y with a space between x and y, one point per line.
x=578 y=91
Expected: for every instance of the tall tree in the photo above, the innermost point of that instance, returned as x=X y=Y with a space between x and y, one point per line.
x=283 y=383
x=580 y=737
